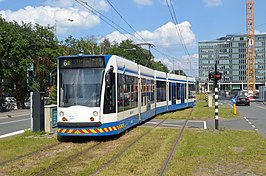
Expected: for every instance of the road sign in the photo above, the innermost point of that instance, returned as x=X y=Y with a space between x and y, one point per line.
x=233 y=100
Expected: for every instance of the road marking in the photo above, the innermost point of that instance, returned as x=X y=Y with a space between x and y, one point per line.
x=12 y=134
x=14 y=121
x=250 y=123
x=173 y=125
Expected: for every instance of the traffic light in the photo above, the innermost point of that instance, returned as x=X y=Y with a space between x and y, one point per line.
x=218 y=75
x=215 y=76
x=211 y=76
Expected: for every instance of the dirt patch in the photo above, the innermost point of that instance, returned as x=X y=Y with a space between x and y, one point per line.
x=237 y=149
x=222 y=168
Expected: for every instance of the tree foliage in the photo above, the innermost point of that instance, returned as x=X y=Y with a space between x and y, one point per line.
x=28 y=53
x=22 y=47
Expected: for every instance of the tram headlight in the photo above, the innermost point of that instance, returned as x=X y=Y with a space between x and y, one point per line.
x=95 y=113
x=61 y=114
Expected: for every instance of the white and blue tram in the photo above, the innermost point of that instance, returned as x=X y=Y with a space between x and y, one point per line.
x=101 y=95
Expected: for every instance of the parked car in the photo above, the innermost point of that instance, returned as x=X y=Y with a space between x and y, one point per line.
x=242 y=100
x=27 y=103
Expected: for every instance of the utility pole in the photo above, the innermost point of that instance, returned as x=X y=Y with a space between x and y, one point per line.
x=149 y=44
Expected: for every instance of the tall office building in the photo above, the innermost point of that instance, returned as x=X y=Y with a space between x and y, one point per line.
x=229 y=53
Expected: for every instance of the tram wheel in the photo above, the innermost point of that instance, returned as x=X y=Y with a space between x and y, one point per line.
x=62 y=138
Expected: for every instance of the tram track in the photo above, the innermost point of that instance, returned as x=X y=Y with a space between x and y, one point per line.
x=171 y=153
x=137 y=140
x=65 y=157
x=68 y=158
x=29 y=154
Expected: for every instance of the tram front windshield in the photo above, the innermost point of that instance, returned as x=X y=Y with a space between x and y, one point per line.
x=80 y=87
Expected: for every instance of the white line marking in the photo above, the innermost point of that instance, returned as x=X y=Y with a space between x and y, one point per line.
x=204 y=125
x=14 y=121
x=253 y=126
x=12 y=134
x=200 y=121
x=165 y=124
x=152 y=122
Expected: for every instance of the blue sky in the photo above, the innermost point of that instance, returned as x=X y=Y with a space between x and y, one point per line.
x=198 y=20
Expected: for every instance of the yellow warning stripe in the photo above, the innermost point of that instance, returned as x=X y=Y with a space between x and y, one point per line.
x=86 y=131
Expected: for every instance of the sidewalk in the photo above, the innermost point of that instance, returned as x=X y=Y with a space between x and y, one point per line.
x=14 y=113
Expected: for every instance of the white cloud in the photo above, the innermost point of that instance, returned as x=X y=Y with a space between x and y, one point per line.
x=143 y=2
x=259 y=32
x=117 y=37
x=57 y=13
x=98 y=5
x=165 y=36
x=212 y=3
x=46 y=15
x=189 y=64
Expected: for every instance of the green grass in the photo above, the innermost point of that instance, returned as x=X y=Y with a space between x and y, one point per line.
x=201 y=111
x=200 y=152
x=22 y=144
x=219 y=153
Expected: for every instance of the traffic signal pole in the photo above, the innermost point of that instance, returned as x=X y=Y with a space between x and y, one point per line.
x=215 y=76
x=216 y=100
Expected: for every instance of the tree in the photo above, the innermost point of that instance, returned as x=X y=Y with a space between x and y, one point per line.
x=14 y=57
x=23 y=46
x=44 y=54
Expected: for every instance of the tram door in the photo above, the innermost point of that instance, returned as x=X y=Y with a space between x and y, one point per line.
x=183 y=93
x=148 y=95
x=174 y=93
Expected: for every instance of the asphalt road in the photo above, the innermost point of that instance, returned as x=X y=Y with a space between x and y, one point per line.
x=14 y=120
x=255 y=116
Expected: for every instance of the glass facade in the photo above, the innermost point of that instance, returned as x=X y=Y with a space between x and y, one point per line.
x=229 y=53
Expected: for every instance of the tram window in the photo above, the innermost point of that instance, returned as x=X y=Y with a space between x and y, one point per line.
x=192 y=91
x=178 y=91
x=147 y=91
x=161 y=91
x=127 y=97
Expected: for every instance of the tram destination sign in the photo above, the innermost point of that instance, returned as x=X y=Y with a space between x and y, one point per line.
x=80 y=62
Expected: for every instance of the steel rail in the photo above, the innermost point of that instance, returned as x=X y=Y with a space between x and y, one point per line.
x=171 y=153
x=123 y=151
